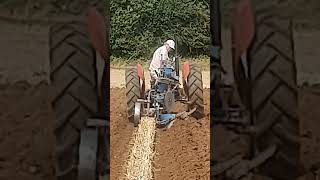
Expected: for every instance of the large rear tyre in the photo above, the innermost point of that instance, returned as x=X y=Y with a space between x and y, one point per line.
x=271 y=92
x=133 y=91
x=194 y=91
x=74 y=92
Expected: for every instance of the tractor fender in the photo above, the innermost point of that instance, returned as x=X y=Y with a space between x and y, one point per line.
x=243 y=30
x=185 y=71
x=97 y=32
x=141 y=77
x=185 y=74
x=140 y=71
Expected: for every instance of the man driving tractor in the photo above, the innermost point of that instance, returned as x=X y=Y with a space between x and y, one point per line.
x=161 y=54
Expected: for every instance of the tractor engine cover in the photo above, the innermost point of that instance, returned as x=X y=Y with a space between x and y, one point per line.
x=169 y=101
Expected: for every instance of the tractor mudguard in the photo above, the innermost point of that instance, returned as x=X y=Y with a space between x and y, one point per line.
x=140 y=72
x=141 y=77
x=185 y=74
x=97 y=32
x=185 y=71
x=243 y=30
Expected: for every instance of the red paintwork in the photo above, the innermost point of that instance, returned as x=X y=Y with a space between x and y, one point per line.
x=185 y=74
x=140 y=71
x=243 y=30
x=185 y=71
x=141 y=76
x=97 y=31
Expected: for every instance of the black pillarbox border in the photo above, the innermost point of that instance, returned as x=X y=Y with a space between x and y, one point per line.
x=215 y=62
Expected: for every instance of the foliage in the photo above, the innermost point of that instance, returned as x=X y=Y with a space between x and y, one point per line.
x=138 y=27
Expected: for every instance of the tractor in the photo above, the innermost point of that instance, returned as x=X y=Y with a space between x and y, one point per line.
x=260 y=106
x=159 y=100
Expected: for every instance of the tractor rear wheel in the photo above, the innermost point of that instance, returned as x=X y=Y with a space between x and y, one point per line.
x=195 y=91
x=133 y=91
x=271 y=92
x=74 y=92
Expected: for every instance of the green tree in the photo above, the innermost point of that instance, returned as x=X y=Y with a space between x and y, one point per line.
x=140 y=26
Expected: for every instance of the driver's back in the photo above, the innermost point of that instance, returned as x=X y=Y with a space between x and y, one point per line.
x=160 y=54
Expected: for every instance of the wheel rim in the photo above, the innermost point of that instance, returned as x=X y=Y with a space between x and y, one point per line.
x=137 y=113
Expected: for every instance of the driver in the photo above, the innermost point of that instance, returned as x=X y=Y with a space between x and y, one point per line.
x=160 y=54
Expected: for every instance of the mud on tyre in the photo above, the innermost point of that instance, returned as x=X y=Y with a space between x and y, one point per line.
x=74 y=92
x=272 y=92
x=194 y=91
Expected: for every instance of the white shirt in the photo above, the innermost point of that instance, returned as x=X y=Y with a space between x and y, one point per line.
x=156 y=59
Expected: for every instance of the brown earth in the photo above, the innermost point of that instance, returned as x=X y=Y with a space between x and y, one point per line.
x=182 y=152
x=26 y=136
x=120 y=132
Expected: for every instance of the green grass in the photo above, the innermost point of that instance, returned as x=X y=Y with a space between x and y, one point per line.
x=120 y=63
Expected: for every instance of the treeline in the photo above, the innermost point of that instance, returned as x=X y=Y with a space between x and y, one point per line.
x=140 y=26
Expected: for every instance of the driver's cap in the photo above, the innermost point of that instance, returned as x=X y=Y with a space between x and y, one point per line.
x=171 y=43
